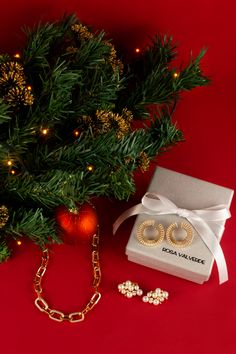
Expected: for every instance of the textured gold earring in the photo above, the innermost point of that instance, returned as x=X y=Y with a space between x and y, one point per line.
x=156 y=297
x=129 y=289
x=171 y=238
x=149 y=233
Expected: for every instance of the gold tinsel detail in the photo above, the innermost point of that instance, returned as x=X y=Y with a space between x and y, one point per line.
x=87 y=120
x=71 y=50
x=4 y=215
x=84 y=34
x=13 y=84
x=12 y=66
x=143 y=161
x=128 y=160
x=107 y=120
x=11 y=74
x=19 y=95
x=82 y=31
x=113 y=60
x=128 y=115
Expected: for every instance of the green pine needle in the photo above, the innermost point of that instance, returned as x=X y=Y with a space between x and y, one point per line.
x=4 y=252
x=73 y=76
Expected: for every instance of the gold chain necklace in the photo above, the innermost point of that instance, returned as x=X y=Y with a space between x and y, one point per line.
x=72 y=317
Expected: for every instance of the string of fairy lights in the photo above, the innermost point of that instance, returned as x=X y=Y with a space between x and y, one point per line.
x=15 y=91
x=13 y=81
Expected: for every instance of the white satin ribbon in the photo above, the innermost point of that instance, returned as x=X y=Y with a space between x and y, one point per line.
x=205 y=222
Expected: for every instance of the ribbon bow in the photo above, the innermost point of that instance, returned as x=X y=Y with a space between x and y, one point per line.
x=205 y=221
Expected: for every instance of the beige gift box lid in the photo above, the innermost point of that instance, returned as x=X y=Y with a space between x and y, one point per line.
x=195 y=261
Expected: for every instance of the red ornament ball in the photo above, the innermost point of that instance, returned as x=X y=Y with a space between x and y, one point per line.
x=78 y=225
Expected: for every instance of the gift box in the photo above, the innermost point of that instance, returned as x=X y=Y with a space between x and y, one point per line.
x=202 y=205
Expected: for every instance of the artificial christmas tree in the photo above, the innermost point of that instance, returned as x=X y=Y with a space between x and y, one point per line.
x=68 y=107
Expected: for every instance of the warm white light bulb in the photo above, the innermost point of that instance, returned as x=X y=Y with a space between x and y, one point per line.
x=45 y=131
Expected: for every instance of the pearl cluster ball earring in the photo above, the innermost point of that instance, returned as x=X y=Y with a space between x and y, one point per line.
x=155 y=297
x=130 y=289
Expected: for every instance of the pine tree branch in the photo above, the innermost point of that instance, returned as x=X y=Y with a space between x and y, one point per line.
x=74 y=84
x=34 y=224
x=56 y=96
x=191 y=76
x=4 y=251
x=5 y=113
x=154 y=82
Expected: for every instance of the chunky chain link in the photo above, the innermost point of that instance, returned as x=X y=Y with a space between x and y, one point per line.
x=72 y=317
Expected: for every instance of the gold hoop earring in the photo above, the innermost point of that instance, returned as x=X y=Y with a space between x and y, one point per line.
x=171 y=238
x=143 y=238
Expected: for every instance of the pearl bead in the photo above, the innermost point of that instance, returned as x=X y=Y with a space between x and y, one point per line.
x=136 y=287
x=149 y=294
x=158 y=290
x=139 y=292
x=128 y=283
x=145 y=299
x=120 y=286
x=150 y=300
x=154 y=295
x=134 y=293
x=129 y=295
x=155 y=302
x=123 y=291
x=130 y=288
x=165 y=294
x=161 y=299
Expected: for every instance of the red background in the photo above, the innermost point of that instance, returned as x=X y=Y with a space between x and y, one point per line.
x=196 y=318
